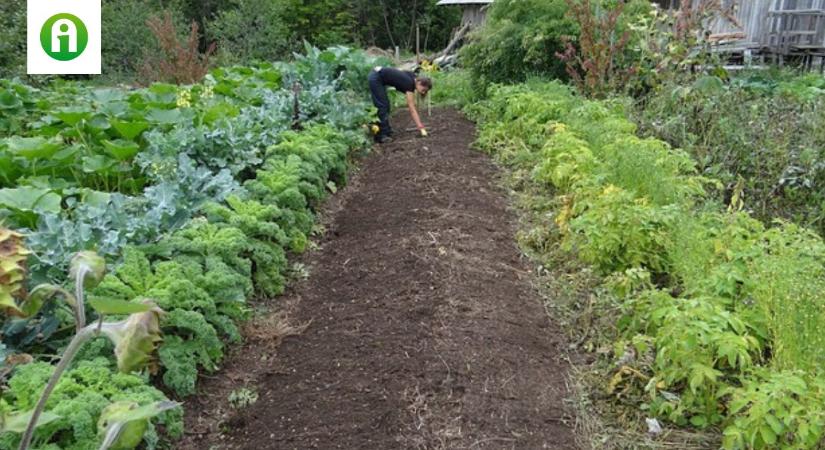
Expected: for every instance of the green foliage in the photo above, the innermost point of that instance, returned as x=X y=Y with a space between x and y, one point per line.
x=271 y=29
x=13 y=44
x=167 y=207
x=615 y=231
x=126 y=37
x=79 y=398
x=786 y=281
x=776 y=410
x=252 y=30
x=601 y=61
x=521 y=39
x=320 y=22
x=262 y=225
x=388 y=23
x=699 y=343
x=781 y=166
x=722 y=315
x=453 y=88
x=242 y=398
x=202 y=297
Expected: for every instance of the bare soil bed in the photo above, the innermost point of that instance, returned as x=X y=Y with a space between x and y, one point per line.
x=423 y=329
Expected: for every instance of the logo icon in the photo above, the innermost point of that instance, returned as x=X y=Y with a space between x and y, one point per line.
x=64 y=37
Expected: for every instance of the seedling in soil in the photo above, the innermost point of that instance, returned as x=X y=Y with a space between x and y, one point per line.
x=242 y=398
x=299 y=271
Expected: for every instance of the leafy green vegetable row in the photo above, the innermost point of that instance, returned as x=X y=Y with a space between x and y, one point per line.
x=225 y=203
x=214 y=141
x=720 y=316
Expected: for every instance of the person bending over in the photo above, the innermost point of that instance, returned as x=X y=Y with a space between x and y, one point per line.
x=402 y=81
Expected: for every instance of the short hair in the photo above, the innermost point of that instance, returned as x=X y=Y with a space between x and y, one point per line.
x=426 y=82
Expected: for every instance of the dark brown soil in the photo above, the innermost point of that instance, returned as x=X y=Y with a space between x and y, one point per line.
x=424 y=329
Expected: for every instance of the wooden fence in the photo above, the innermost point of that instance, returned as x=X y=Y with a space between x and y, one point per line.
x=781 y=30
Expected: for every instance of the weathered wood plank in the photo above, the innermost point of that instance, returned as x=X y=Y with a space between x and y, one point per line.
x=775 y=26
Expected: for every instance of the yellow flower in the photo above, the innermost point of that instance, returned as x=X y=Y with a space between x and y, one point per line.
x=428 y=66
x=184 y=99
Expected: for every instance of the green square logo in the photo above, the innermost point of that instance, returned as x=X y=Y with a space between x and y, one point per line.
x=64 y=37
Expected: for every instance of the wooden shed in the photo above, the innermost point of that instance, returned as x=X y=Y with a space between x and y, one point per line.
x=773 y=28
x=475 y=11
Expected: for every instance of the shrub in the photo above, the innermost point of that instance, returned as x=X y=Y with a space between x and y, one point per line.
x=454 y=88
x=13 y=44
x=126 y=38
x=252 y=30
x=782 y=167
x=614 y=230
x=786 y=282
x=521 y=38
x=776 y=410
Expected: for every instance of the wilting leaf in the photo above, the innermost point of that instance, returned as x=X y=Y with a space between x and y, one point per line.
x=16 y=422
x=40 y=295
x=124 y=423
x=135 y=338
x=114 y=306
x=7 y=302
x=93 y=266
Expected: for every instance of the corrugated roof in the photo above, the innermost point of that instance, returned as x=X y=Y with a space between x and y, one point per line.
x=464 y=2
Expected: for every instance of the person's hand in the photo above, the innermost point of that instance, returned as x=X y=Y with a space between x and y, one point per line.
x=423 y=132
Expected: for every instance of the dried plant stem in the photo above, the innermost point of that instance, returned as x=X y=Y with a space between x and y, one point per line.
x=83 y=336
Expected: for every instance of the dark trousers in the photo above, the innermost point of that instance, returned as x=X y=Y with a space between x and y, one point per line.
x=382 y=102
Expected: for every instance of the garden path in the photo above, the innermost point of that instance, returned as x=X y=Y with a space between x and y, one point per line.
x=424 y=329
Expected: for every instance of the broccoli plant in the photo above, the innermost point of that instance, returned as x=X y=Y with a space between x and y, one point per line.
x=135 y=339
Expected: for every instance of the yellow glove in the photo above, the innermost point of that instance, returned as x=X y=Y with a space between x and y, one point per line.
x=424 y=132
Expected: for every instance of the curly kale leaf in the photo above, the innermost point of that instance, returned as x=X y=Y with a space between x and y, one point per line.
x=200 y=302
x=203 y=239
x=262 y=225
x=323 y=152
x=79 y=398
x=213 y=289
x=191 y=342
x=253 y=218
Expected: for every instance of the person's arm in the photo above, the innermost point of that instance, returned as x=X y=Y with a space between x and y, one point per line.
x=414 y=113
